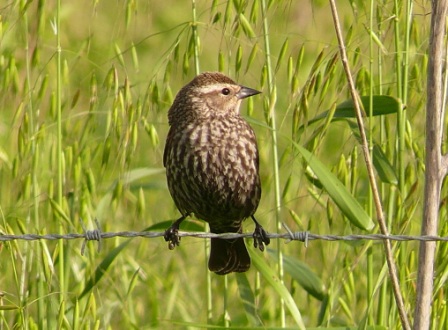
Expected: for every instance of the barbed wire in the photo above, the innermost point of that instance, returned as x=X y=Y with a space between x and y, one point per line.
x=296 y=236
x=303 y=236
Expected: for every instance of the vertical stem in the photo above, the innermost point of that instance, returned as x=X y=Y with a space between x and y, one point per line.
x=197 y=70
x=226 y=302
x=369 y=166
x=409 y=5
x=370 y=319
x=61 y=263
x=194 y=28
x=370 y=289
x=444 y=97
x=400 y=137
x=32 y=131
x=400 y=113
x=433 y=173
x=383 y=301
x=273 y=126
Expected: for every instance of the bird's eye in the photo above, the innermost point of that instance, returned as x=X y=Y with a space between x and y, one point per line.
x=225 y=91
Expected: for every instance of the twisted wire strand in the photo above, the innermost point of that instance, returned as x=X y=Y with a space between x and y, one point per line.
x=303 y=236
x=289 y=235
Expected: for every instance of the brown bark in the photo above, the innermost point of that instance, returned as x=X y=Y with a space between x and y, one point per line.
x=435 y=170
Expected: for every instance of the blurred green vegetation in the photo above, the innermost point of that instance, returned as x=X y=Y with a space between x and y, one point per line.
x=122 y=63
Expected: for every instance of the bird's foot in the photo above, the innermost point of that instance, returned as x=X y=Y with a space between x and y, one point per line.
x=171 y=235
x=260 y=236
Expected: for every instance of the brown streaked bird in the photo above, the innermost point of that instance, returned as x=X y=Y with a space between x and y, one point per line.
x=211 y=160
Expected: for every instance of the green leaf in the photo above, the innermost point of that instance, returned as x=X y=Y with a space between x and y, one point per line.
x=301 y=273
x=248 y=298
x=382 y=105
x=139 y=173
x=8 y=307
x=271 y=277
x=348 y=204
x=383 y=167
x=103 y=267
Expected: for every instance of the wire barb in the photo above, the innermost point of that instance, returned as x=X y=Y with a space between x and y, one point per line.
x=91 y=235
x=301 y=236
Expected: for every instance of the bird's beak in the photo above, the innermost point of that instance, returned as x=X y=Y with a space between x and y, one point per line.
x=246 y=92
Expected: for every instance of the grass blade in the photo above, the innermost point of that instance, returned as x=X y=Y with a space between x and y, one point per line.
x=382 y=105
x=271 y=277
x=348 y=204
x=248 y=299
x=301 y=273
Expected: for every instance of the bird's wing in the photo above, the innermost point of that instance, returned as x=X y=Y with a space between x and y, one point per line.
x=167 y=147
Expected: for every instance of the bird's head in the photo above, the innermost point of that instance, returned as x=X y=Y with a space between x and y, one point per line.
x=210 y=94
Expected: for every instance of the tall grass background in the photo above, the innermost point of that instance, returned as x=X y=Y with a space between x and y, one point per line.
x=85 y=90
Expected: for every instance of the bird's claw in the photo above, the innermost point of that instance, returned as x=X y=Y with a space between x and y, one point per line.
x=260 y=237
x=172 y=237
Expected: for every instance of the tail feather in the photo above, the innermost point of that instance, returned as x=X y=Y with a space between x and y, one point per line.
x=228 y=256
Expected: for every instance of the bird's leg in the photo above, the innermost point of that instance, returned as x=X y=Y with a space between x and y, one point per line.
x=260 y=236
x=171 y=234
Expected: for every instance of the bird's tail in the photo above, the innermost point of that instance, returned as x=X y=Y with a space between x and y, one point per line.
x=228 y=255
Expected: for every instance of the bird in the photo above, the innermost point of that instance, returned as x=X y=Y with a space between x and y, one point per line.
x=212 y=167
